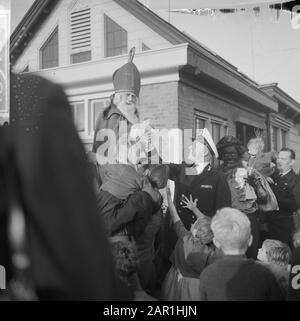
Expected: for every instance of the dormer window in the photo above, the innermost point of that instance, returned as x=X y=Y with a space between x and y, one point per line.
x=49 y=51
x=145 y=47
x=116 y=42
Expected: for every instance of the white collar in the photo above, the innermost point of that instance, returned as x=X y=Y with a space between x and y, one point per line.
x=285 y=173
x=200 y=167
x=132 y=118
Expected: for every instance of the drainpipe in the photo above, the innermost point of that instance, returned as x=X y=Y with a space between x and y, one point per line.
x=268 y=126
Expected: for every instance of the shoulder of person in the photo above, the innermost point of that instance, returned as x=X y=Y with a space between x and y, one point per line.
x=294 y=179
x=263 y=268
x=114 y=113
x=218 y=172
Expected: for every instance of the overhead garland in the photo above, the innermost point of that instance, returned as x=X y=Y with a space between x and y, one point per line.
x=211 y=7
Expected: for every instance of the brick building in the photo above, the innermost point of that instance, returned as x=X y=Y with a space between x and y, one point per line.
x=80 y=43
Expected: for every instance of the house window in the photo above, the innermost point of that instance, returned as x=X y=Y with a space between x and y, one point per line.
x=275 y=135
x=96 y=107
x=283 y=138
x=279 y=132
x=245 y=132
x=80 y=35
x=81 y=57
x=115 y=38
x=199 y=123
x=49 y=51
x=216 y=126
x=279 y=138
x=145 y=47
x=78 y=111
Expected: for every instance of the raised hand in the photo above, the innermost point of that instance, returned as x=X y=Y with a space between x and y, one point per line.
x=189 y=203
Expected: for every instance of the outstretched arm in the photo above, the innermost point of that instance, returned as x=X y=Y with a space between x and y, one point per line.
x=179 y=227
x=174 y=215
x=192 y=205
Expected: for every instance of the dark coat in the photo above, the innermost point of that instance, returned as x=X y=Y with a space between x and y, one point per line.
x=209 y=187
x=287 y=192
x=67 y=244
x=110 y=119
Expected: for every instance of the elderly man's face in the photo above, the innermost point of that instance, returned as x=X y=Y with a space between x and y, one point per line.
x=284 y=161
x=127 y=99
x=127 y=102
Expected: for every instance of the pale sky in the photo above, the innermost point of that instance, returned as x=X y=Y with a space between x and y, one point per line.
x=263 y=48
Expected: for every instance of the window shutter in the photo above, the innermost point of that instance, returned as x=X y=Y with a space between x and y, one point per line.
x=81 y=30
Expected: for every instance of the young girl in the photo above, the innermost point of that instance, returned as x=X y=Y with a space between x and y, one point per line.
x=194 y=250
x=263 y=162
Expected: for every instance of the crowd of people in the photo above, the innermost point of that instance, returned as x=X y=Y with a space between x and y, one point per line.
x=76 y=228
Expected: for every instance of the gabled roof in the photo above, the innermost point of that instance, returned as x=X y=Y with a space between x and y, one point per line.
x=41 y=8
x=274 y=91
x=27 y=27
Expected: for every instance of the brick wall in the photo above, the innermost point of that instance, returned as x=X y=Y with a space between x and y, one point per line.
x=159 y=102
x=191 y=98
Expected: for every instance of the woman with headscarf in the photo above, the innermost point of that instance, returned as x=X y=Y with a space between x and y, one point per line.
x=243 y=195
x=67 y=247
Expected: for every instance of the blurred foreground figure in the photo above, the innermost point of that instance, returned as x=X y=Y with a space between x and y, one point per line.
x=66 y=242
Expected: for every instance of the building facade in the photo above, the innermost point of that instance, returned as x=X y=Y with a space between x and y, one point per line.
x=80 y=43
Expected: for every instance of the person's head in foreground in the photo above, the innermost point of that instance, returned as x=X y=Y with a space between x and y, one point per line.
x=275 y=252
x=232 y=232
x=201 y=230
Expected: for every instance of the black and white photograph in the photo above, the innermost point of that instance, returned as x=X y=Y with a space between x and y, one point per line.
x=149 y=152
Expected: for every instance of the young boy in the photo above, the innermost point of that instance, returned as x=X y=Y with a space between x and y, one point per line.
x=276 y=256
x=234 y=277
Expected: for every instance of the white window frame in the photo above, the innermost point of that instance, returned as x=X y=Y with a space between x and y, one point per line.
x=87 y=135
x=209 y=120
x=282 y=125
x=91 y=115
x=81 y=133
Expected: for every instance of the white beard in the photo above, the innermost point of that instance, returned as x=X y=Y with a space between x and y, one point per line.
x=126 y=110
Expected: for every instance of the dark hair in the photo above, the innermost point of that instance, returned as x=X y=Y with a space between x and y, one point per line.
x=228 y=141
x=292 y=152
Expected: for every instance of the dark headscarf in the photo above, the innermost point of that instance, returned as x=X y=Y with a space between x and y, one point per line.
x=67 y=245
x=228 y=141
